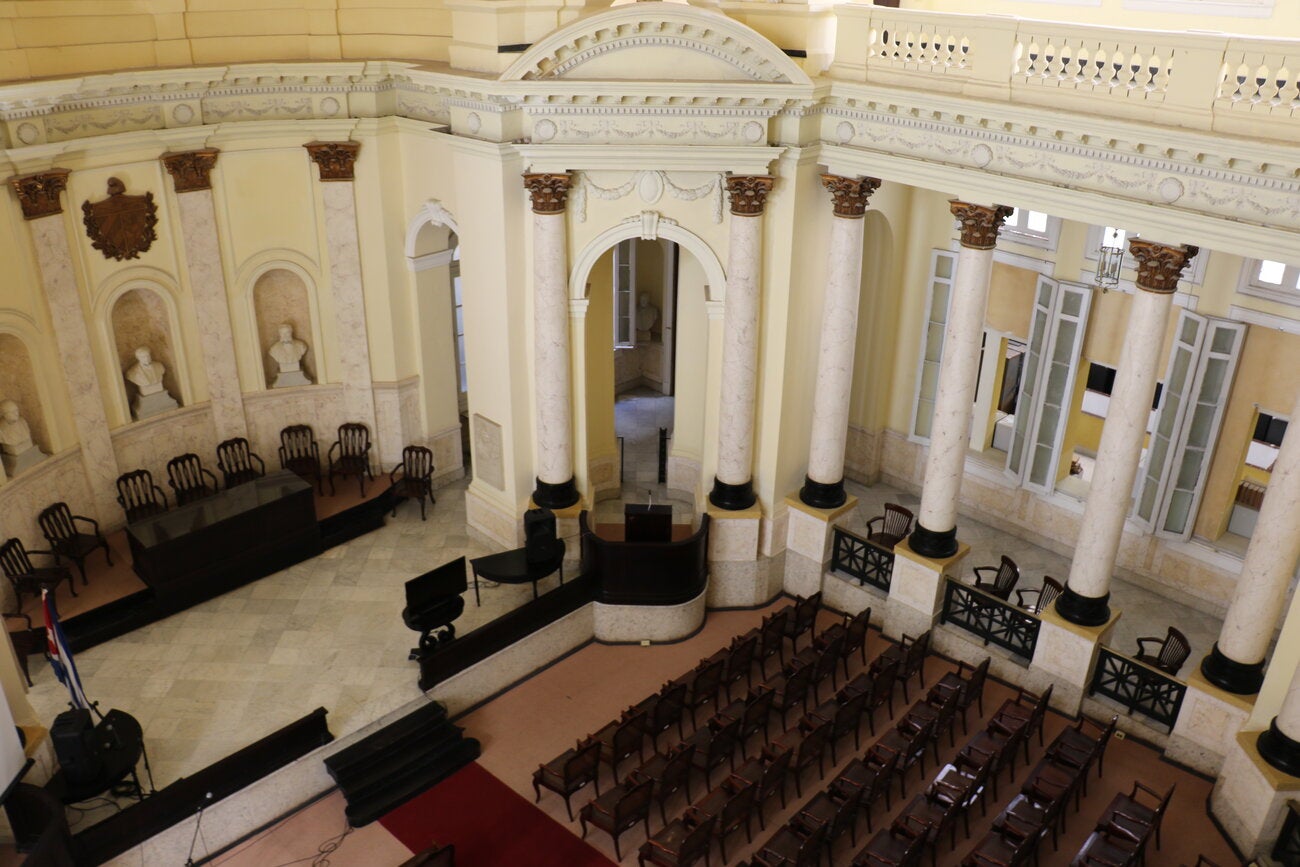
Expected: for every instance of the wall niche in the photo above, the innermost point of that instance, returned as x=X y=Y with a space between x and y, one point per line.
x=280 y=298
x=140 y=319
x=18 y=383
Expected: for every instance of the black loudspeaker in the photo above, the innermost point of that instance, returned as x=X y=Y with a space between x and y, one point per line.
x=539 y=535
x=73 y=737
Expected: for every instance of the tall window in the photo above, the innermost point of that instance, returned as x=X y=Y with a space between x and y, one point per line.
x=1275 y=281
x=1033 y=228
x=458 y=319
x=625 y=294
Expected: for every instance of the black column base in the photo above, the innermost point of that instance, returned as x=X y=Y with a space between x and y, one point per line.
x=733 y=498
x=935 y=544
x=1279 y=750
x=1239 y=678
x=1083 y=610
x=557 y=496
x=821 y=495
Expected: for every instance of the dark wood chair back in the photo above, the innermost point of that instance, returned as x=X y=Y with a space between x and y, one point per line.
x=57 y=525
x=723 y=746
x=1037 y=600
x=14 y=560
x=634 y=806
x=238 y=463
x=189 y=479
x=353 y=441
x=417 y=463
x=300 y=454
x=695 y=845
x=771 y=637
x=1169 y=653
x=890 y=528
x=774 y=776
x=1003 y=579
x=705 y=686
x=668 y=710
x=138 y=496
x=758 y=713
x=582 y=767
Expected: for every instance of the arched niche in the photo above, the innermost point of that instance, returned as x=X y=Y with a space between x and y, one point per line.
x=18 y=383
x=280 y=296
x=140 y=317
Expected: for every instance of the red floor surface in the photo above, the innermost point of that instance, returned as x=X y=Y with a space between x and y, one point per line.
x=489 y=824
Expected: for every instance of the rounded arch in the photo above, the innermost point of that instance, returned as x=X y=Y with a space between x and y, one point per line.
x=687 y=240
x=431 y=212
x=23 y=329
x=159 y=284
x=305 y=270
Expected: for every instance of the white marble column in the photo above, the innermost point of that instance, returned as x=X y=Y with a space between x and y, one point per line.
x=555 y=484
x=733 y=485
x=1109 y=497
x=824 y=488
x=191 y=173
x=39 y=196
x=935 y=535
x=1280 y=744
x=337 y=161
x=1237 y=661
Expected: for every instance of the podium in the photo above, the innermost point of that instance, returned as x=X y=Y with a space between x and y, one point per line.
x=644 y=523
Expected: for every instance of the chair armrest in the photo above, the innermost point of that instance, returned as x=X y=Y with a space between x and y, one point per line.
x=261 y=465
x=1072 y=756
x=905 y=822
x=19 y=616
x=1140 y=786
x=1032 y=591
x=1019 y=828
x=1142 y=642
x=978 y=570
x=54 y=554
x=879 y=519
x=91 y=521
x=392 y=476
x=330 y=453
x=1114 y=830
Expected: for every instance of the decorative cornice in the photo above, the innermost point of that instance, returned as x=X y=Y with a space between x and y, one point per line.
x=336 y=159
x=749 y=194
x=38 y=194
x=849 y=195
x=1159 y=265
x=550 y=192
x=191 y=170
x=979 y=224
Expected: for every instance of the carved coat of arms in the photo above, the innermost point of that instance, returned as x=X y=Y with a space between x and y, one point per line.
x=121 y=226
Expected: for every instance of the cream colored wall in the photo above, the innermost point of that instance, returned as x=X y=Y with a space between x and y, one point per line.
x=43 y=38
x=1282 y=22
x=692 y=359
x=878 y=304
x=599 y=343
x=1011 y=299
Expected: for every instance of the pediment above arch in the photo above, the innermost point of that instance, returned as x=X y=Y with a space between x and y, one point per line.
x=656 y=41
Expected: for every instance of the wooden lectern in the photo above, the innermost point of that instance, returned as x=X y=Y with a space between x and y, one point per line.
x=643 y=523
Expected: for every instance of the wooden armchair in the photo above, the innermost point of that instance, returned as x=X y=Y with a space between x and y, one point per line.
x=350 y=455
x=910 y=654
x=299 y=454
x=15 y=562
x=1036 y=600
x=618 y=810
x=138 y=496
x=619 y=740
x=671 y=774
x=998 y=580
x=732 y=806
x=569 y=772
x=902 y=845
x=26 y=639
x=889 y=529
x=1167 y=654
x=788 y=848
x=59 y=526
x=416 y=481
x=238 y=464
x=768 y=777
x=1140 y=812
x=804 y=617
x=970 y=687
x=679 y=844
x=189 y=479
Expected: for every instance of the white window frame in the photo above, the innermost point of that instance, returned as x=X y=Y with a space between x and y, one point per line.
x=934 y=278
x=625 y=296
x=1234 y=8
x=458 y=320
x=1015 y=232
x=1193 y=276
x=1249 y=284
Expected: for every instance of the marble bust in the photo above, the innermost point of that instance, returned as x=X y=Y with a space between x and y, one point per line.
x=17 y=451
x=147 y=377
x=646 y=316
x=287 y=352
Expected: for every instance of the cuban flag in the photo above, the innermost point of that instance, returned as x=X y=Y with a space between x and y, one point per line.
x=60 y=657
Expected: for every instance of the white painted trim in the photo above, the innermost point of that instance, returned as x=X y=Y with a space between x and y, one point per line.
x=1234 y=8
x=429 y=261
x=715 y=277
x=432 y=211
x=1265 y=320
x=665 y=157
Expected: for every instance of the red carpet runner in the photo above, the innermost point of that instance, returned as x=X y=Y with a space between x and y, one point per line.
x=489 y=824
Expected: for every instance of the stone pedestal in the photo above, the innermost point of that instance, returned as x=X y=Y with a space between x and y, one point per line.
x=290 y=378
x=1207 y=725
x=1249 y=797
x=808 y=543
x=916 y=589
x=24 y=460
x=737 y=575
x=1064 y=657
x=146 y=405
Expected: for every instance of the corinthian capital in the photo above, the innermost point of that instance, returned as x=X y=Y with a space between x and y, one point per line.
x=979 y=223
x=39 y=193
x=550 y=192
x=191 y=170
x=849 y=195
x=337 y=159
x=1160 y=266
x=749 y=194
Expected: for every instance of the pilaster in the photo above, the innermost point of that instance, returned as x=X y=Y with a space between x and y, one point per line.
x=916 y=588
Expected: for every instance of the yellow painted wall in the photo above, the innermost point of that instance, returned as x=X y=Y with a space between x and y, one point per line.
x=601 y=441
x=1011 y=299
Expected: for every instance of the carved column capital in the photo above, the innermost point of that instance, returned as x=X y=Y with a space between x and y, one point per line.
x=550 y=192
x=39 y=193
x=749 y=194
x=979 y=223
x=191 y=170
x=1160 y=266
x=849 y=195
x=336 y=159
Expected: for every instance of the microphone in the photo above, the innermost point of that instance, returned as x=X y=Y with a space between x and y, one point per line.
x=198 y=823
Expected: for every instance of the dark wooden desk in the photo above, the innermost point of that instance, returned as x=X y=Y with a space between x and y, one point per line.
x=210 y=546
x=512 y=567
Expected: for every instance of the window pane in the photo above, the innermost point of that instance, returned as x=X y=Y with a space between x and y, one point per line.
x=1270 y=272
x=1036 y=222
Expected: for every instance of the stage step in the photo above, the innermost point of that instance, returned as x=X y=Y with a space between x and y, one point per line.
x=398 y=762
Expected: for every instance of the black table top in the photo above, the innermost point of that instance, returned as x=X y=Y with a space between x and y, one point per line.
x=227 y=504
x=512 y=567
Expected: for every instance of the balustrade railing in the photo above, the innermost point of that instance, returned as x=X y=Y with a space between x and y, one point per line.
x=860 y=558
x=1137 y=686
x=1245 y=85
x=989 y=618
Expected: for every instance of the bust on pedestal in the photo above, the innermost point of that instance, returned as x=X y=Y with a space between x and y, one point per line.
x=17 y=451
x=646 y=316
x=287 y=353
x=147 y=375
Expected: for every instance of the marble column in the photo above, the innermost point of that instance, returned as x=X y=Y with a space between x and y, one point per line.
x=38 y=195
x=824 y=486
x=935 y=535
x=733 y=486
x=191 y=173
x=1084 y=600
x=337 y=162
x=1236 y=663
x=1280 y=744
x=555 y=484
